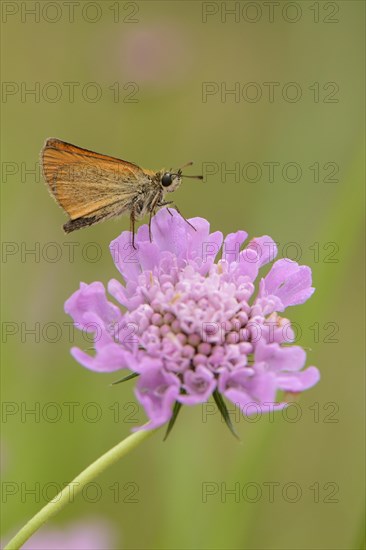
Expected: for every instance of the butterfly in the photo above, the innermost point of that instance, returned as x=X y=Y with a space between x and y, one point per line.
x=92 y=187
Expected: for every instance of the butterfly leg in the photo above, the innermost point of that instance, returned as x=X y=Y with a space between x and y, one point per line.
x=164 y=204
x=151 y=215
x=132 y=227
x=180 y=213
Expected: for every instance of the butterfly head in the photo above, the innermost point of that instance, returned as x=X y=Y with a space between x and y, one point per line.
x=170 y=181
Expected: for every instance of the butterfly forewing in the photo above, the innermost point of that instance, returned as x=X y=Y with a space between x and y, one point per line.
x=89 y=186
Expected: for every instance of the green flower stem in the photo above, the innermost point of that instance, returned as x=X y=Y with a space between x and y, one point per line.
x=74 y=487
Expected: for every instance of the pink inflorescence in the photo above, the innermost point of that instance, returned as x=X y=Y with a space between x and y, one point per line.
x=193 y=327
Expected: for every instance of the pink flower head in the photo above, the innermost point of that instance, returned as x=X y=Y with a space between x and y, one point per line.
x=196 y=327
x=93 y=534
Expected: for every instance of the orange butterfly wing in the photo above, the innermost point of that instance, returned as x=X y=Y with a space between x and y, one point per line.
x=89 y=184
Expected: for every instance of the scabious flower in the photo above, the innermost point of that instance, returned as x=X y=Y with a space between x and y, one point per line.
x=193 y=327
x=93 y=534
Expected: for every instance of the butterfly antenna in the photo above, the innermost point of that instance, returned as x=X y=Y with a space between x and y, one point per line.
x=179 y=172
x=192 y=177
x=185 y=166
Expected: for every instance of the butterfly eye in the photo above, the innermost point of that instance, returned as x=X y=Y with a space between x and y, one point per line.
x=166 y=180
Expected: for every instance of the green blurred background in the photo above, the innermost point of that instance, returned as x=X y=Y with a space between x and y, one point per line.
x=161 y=54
